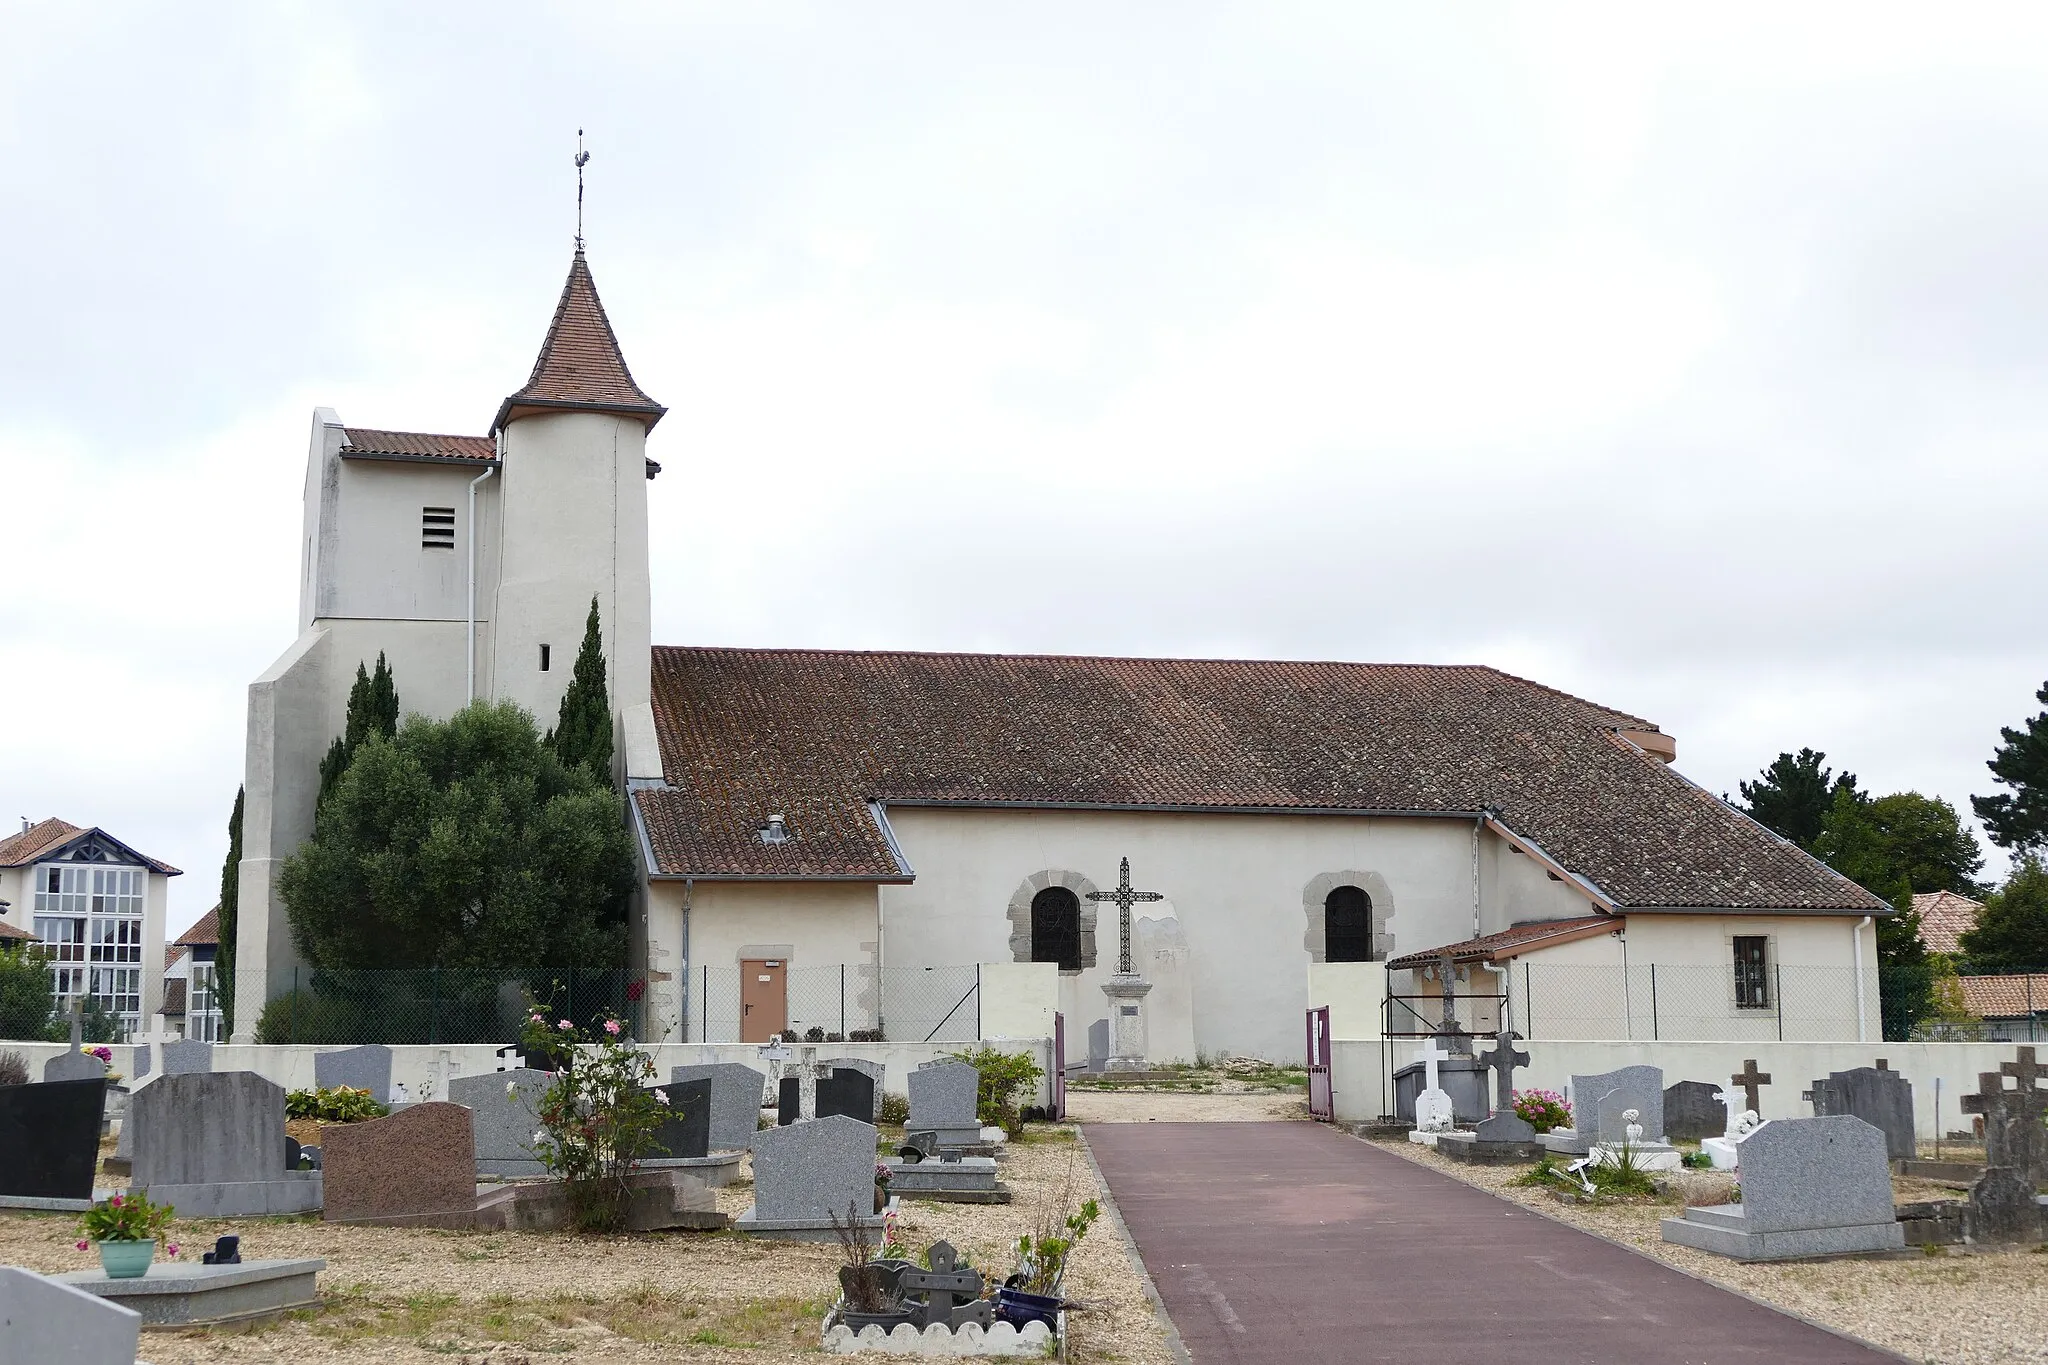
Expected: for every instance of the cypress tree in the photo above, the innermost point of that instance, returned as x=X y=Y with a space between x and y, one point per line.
x=582 y=737
x=372 y=710
x=230 y=896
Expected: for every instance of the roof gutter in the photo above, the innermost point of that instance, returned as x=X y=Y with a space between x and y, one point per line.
x=881 y=816
x=1166 y=808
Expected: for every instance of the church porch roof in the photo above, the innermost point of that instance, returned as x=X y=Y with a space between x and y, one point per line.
x=1514 y=941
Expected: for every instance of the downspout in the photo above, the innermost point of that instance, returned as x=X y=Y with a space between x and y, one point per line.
x=689 y=887
x=1856 y=945
x=470 y=675
x=1477 y=825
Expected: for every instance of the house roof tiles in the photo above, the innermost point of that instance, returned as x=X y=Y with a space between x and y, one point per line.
x=44 y=839
x=365 y=443
x=10 y=934
x=580 y=364
x=1944 y=918
x=204 y=930
x=1513 y=941
x=2005 y=997
x=816 y=734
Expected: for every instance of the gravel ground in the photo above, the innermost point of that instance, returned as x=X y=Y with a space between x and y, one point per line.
x=1173 y=1106
x=1956 y=1309
x=400 y=1296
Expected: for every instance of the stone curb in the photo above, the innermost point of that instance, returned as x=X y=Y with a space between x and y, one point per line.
x=1116 y=1220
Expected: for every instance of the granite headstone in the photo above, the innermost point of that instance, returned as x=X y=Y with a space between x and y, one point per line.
x=504 y=1108
x=1598 y=1099
x=358 y=1068
x=420 y=1160
x=1691 y=1113
x=789 y=1101
x=187 y=1057
x=212 y=1144
x=1881 y=1098
x=46 y=1322
x=808 y=1173
x=945 y=1099
x=874 y=1071
x=1810 y=1187
x=847 y=1092
x=50 y=1138
x=685 y=1130
x=736 y=1092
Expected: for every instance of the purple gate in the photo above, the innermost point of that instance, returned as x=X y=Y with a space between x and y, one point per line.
x=1319 y=1103
x=1059 y=1067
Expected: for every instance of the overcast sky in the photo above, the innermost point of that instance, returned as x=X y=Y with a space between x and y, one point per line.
x=1691 y=362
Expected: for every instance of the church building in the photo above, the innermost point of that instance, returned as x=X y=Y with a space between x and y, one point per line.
x=809 y=817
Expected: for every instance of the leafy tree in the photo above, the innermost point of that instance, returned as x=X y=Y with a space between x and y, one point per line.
x=372 y=710
x=230 y=898
x=1794 y=795
x=25 y=1000
x=2012 y=932
x=1949 y=1010
x=2019 y=819
x=1894 y=846
x=582 y=736
x=462 y=843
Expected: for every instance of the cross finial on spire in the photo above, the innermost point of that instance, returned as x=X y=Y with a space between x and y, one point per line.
x=582 y=160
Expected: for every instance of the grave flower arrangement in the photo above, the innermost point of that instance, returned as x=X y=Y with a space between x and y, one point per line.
x=334 y=1104
x=1543 y=1110
x=1056 y=1229
x=598 y=1118
x=128 y=1229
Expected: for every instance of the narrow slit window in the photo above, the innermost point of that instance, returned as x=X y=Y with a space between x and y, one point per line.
x=437 y=528
x=543 y=658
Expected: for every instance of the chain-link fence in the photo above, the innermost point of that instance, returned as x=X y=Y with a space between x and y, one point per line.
x=439 y=1004
x=849 y=1002
x=1656 y=1002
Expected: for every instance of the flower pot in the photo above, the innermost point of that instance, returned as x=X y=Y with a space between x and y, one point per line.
x=881 y=1198
x=126 y=1260
x=1018 y=1308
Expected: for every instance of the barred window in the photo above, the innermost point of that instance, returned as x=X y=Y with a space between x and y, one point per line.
x=1056 y=928
x=1347 y=925
x=1752 y=972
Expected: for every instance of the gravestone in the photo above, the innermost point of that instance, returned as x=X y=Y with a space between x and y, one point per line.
x=1504 y=1136
x=959 y=1180
x=951 y=1292
x=807 y=1174
x=1810 y=1187
x=851 y=1093
x=1098 y=1045
x=684 y=1133
x=789 y=1101
x=1459 y=1077
x=50 y=1139
x=43 y=1320
x=1881 y=1098
x=1751 y=1080
x=74 y=1063
x=2003 y=1209
x=2015 y=1135
x=504 y=1114
x=212 y=1143
x=1692 y=1113
x=188 y=1293
x=874 y=1071
x=419 y=1161
x=945 y=1100
x=1598 y=1100
x=187 y=1057
x=735 y=1101
x=358 y=1068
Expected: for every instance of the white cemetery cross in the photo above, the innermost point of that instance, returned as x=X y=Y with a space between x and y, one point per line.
x=155 y=1038
x=809 y=1072
x=1127 y=989
x=1434 y=1112
x=1721 y=1150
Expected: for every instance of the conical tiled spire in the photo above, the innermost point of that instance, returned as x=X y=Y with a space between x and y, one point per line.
x=580 y=365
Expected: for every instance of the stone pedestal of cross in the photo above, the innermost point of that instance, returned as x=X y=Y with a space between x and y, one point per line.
x=1749 y=1078
x=1127 y=989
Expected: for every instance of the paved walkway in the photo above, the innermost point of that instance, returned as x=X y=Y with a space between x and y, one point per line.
x=1291 y=1242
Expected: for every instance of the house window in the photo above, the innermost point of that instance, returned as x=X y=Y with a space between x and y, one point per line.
x=91 y=918
x=1347 y=925
x=1752 y=974
x=1056 y=928
x=202 y=1005
x=437 y=528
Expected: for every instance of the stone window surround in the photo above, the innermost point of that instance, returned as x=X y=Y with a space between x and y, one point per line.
x=1318 y=890
x=1019 y=913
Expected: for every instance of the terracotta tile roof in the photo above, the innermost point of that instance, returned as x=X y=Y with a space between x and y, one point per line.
x=1945 y=917
x=41 y=840
x=814 y=734
x=19 y=850
x=1514 y=941
x=10 y=934
x=365 y=443
x=2005 y=997
x=205 y=929
x=580 y=364
x=174 y=996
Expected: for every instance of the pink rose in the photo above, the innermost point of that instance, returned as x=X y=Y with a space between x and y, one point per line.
x=172 y=1248
x=115 y=1201
x=565 y=1025
x=611 y=1026
x=84 y=1245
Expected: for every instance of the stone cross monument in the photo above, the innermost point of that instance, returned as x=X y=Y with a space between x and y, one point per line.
x=1127 y=989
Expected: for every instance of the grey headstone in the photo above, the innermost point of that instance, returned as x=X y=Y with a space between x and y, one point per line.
x=1691 y=1112
x=1598 y=1099
x=1883 y=1099
x=1827 y=1172
x=945 y=1099
x=207 y=1128
x=74 y=1065
x=43 y=1322
x=2003 y=1208
x=358 y=1068
x=812 y=1171
x=1098 y=1044
x=874 y=1071
x=187 y=1057
x=504 y=1111
x=736 y=1092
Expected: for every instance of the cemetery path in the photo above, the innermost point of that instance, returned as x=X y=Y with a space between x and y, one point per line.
x=1295 y=1242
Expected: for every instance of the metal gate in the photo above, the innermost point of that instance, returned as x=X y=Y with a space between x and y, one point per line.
x=1319 y=1095
x=1059 y=1067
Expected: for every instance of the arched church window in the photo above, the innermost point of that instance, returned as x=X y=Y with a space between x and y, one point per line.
x=1347 y=925
x=1056 y=928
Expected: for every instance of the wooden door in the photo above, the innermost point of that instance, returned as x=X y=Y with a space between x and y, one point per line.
x=764 y=999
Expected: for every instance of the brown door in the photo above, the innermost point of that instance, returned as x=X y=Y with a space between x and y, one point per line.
x=764 y=999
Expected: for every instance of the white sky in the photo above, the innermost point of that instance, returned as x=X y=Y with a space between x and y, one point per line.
x=1688 y=360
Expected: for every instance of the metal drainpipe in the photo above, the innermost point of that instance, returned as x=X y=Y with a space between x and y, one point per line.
x=1477 y=825
x=1856 y=945
x=470 y=676
x=689 y=887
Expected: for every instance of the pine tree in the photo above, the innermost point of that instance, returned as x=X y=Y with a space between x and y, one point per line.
x=230 y=896
x=2019 y=820
x=582 y=737
x=372 y=710
x=1794 y=795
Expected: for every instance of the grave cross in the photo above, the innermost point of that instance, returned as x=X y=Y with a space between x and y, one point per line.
x=2026 y=1071
x=1123 y=898
x=943 y=1284
x=77 y=1022
x=1729 y=1098
x=1502 y=1061
x=1749 y=1078
x=1990 y=1096
x=1429 y=1055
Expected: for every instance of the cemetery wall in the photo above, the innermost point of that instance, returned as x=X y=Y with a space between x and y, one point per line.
x=1018 y=999
x=1358 y=1066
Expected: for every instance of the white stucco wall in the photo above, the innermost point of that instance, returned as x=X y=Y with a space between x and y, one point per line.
x=815 y=926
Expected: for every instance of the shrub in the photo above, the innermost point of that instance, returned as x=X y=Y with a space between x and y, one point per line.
x=305 y=1016
x=25 y=1001
x=335 y=1104
x=597 y=1119
x=895 y=1109
x=1543 y=1110
x=1005 y=1077
x=1057 y=1227
x=13 y=1068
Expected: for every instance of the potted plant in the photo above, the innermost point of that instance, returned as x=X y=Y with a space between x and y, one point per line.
x=127 y=1229
x=1032 y=1294
x=870 y=1295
